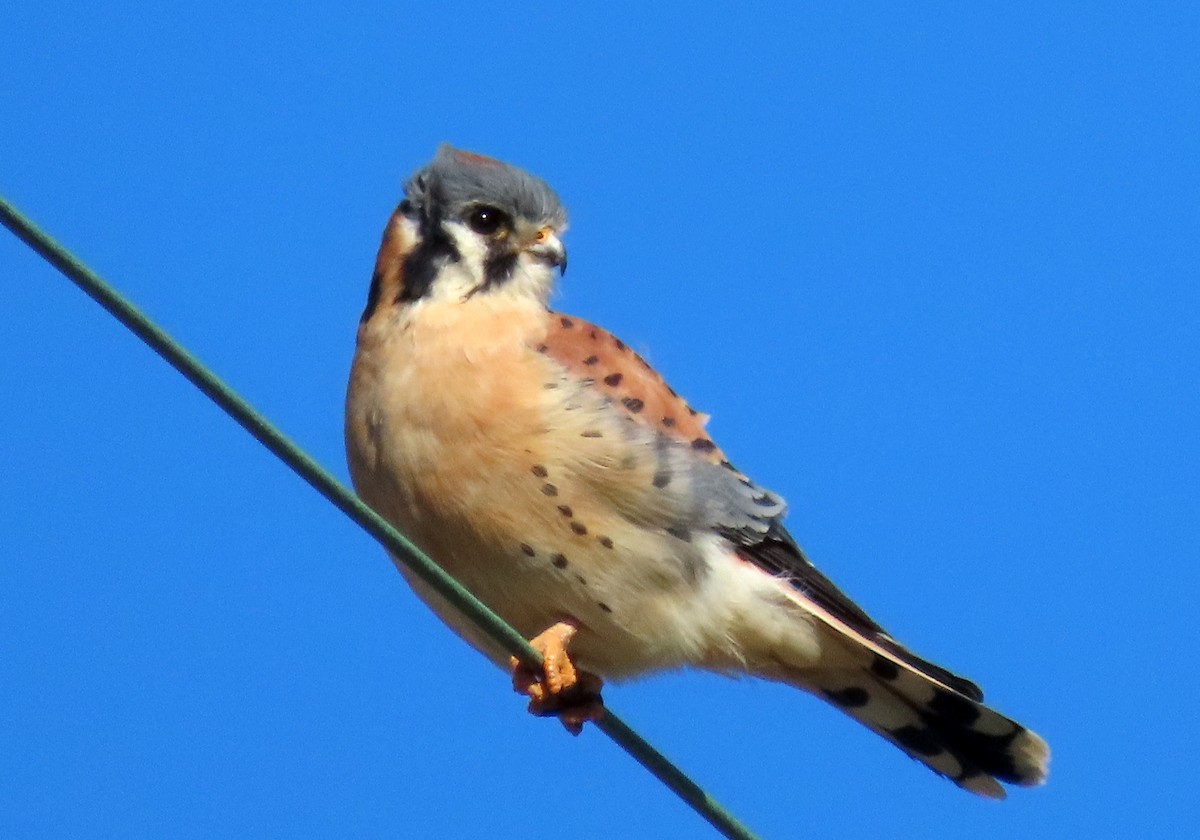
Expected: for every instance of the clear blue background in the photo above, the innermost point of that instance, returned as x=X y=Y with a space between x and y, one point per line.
x=933 y=270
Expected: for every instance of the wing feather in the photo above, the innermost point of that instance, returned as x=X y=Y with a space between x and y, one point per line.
x=704 y=490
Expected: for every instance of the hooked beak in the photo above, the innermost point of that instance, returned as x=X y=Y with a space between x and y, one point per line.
x=549 y=249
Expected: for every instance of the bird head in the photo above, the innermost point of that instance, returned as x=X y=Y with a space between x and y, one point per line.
x=471 y=225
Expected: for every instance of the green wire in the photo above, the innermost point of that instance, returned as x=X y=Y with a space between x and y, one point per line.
x=349 y=503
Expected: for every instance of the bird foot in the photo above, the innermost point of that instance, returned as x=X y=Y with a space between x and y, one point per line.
x=559 y=689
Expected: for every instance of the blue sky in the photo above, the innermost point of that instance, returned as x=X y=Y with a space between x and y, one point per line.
x=933 y=269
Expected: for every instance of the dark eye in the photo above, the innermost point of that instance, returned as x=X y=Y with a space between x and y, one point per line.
x=487 y=220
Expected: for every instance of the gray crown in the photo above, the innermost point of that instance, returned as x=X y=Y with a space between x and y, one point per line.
x=456 y=179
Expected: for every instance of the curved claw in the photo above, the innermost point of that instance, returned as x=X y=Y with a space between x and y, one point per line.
x=559 y=689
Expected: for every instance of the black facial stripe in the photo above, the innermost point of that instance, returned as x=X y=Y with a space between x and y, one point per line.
x=499 y=268
x=426 y=260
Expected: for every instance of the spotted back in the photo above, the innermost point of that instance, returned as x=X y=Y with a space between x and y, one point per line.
x=712 y=495
x=598 y=356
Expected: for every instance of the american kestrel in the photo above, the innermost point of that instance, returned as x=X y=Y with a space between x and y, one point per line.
x=546 y=465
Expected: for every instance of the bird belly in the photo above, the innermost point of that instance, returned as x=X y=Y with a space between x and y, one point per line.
x=456 y=440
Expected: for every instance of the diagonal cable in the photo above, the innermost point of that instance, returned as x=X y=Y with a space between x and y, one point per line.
x=351 y=505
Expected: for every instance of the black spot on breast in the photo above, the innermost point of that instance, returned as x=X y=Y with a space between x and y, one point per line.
x=613 y=379
x=604 y=606
x=692 y=411
x=581 y=579
x=566 y=322
x=565 y=510
x=559 y=561
x=703 y=445
x=848 y=698
x=579 y=528
x=591 y=360
x=541 y=348
x=528 y=549
x=633 y=404
x=606 y=542
x=549 y=489
x=590 y=433
x=669 y=422
x=593 y=334
x=884 y=668
x=539 y=471
x=918 y=740
x=619 y=344
x=662 y=479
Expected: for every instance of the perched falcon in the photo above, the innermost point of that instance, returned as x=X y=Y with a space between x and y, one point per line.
x=546 y=466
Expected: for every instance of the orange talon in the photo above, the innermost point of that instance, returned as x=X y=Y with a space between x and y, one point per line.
x=558 y=689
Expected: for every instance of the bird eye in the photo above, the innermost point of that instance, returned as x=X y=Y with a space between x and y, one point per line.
x=487 y=220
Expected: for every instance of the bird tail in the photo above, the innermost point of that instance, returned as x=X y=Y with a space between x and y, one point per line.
x=935 y=717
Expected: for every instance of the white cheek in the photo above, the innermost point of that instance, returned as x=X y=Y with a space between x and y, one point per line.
x=457 y=280
x=410 y=229
x=531 y=278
